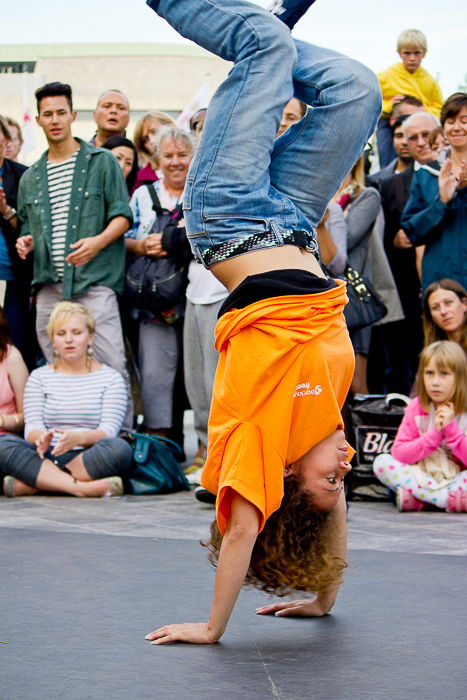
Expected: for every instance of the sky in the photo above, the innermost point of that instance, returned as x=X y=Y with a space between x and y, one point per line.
x=364 y=29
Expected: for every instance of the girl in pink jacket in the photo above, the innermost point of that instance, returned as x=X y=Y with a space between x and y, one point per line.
x=428 y=464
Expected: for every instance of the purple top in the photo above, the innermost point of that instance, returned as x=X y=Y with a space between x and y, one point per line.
x=145 y=176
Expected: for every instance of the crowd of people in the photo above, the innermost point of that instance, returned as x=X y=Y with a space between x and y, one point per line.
x=67 y=224
x=241 y=233
x=69 y=221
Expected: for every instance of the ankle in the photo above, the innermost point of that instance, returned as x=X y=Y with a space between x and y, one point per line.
x=457 y=502
x=90 y=489
x=406 y=501
x=22 y=489
x=200 y=453
x=289 y=12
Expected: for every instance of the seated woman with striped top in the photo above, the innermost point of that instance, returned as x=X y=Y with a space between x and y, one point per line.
x=74 y=409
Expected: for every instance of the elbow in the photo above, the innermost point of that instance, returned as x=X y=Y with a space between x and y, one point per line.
x=106 y=432
x=241 y=532
x=398 y=454
x=243 y=523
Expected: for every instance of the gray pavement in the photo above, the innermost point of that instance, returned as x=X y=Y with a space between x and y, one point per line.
x=84 y=580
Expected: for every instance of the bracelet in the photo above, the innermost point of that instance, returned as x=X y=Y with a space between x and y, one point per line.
x=12 y=215
x=15 y=418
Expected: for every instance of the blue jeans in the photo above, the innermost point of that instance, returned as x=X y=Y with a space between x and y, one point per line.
x=243 y=182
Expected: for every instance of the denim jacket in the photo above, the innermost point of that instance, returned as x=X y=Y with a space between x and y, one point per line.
x=98 y=195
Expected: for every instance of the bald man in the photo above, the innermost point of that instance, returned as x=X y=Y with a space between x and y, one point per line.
x=111 y=115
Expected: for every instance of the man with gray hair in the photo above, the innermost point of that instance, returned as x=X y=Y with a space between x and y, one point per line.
x=417 y=129
x=436 y=212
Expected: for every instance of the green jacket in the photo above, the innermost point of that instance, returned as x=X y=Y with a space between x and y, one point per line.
x=98 y=195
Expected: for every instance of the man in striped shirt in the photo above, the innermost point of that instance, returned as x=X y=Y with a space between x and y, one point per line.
x=73 y=203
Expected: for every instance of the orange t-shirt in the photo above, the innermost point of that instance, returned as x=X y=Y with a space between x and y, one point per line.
x=284 y=370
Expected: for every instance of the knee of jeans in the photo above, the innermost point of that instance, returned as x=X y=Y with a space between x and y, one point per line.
x=280 y=41
x=273 y=37
x=365 y=85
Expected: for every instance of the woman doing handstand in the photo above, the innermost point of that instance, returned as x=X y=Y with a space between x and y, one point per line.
x=277 y=455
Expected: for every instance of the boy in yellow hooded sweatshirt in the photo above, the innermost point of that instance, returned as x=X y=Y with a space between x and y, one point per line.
x=277 y=454
x=406 y=78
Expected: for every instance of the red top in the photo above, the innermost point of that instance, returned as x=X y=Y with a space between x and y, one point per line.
x=145 y=176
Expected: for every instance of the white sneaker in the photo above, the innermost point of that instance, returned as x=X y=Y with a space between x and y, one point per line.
x=195 y=477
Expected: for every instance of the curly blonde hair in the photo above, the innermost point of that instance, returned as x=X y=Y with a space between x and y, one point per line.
x=292 y=551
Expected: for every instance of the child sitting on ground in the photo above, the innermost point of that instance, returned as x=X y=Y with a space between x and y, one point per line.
x=428 y=464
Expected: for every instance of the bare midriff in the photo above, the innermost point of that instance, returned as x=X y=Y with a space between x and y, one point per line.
x=288 y=257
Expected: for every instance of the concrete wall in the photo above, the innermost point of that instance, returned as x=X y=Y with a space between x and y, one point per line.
x=165 y=82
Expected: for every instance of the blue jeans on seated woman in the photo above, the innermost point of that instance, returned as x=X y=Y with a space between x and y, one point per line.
x=243 y=182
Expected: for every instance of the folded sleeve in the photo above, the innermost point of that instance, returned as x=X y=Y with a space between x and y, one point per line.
x=116 y=192
x=249 y=466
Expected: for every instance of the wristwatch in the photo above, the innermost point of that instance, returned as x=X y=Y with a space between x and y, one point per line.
x=12 y=215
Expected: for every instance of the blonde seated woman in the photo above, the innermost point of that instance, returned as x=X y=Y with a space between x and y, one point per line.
x=74 y=410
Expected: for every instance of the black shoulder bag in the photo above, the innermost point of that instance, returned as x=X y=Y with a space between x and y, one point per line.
x=364 y=307
x=155 y=284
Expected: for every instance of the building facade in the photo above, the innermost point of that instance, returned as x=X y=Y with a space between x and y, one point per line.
x=153 y=76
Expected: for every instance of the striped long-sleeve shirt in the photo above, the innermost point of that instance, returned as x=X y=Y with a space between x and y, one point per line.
x=78 y=402
x=60 y=181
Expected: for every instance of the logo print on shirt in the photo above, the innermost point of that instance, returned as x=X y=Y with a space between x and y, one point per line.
x=304 y=390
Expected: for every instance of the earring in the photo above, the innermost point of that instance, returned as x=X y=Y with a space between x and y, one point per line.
x=55 y=357
x=89 y=355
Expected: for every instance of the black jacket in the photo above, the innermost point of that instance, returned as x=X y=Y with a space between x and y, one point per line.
x=12 y=173
x=394 y=193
